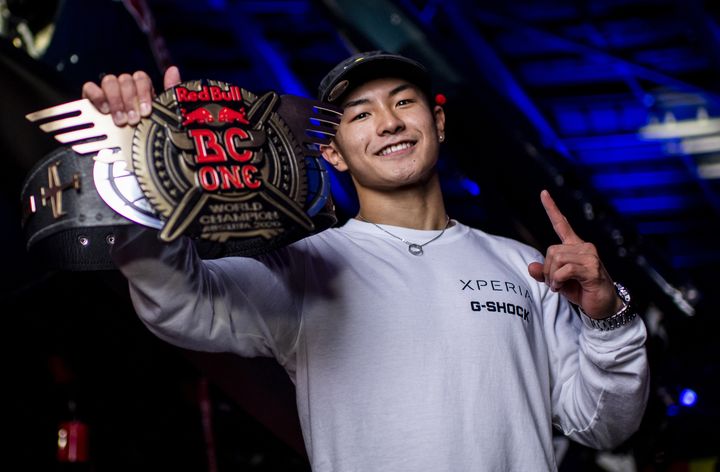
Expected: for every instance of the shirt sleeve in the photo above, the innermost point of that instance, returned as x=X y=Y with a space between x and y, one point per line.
x=248 y=306
x=599 y=379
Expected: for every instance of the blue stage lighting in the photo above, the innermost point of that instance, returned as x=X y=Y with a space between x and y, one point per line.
x=472 y=187
x=688 y=397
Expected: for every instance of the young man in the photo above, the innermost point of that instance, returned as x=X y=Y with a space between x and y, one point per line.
x=415 y=342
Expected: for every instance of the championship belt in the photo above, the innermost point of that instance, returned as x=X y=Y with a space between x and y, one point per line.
x=240 y=174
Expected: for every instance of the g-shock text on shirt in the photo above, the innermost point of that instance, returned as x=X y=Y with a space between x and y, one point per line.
x=214 y=161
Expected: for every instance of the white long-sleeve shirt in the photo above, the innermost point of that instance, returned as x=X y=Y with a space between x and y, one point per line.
x=455 y=360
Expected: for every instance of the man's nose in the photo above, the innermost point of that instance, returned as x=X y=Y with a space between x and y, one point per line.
x=389 y=122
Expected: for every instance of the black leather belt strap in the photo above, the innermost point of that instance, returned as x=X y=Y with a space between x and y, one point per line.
x=68 y=225
x=64 y=219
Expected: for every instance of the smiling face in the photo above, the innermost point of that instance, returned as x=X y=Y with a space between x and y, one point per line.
x=388 y=136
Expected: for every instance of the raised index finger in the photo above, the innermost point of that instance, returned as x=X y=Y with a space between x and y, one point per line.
x=560 y=224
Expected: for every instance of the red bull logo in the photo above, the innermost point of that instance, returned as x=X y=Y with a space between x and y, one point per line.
x=228 y=115
x=199 y=115
x=220 y=142
x=211 y=93
x=204 y=116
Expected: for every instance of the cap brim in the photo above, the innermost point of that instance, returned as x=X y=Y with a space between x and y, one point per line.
x=375 y=67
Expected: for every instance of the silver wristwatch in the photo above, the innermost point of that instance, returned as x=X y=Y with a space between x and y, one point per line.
x=622 y=317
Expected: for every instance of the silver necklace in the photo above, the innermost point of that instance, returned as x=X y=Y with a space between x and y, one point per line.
x=414 y=248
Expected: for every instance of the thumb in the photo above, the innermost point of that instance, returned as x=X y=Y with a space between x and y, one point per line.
x=535 y=269
x=172 y=77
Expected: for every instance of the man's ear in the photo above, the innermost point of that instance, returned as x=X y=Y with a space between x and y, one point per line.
x=332 y=155
x=439 y=114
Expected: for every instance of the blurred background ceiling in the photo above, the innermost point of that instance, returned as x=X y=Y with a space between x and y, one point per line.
x=613 y=105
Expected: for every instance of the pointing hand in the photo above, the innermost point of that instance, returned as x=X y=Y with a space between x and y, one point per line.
x=574 y=269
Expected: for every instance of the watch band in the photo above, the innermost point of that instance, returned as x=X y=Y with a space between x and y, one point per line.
x=626 y=314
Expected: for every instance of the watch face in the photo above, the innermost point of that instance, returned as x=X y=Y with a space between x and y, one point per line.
x=623 y=293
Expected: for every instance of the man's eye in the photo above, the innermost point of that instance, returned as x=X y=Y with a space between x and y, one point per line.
x=405 y=101
x=360 y=116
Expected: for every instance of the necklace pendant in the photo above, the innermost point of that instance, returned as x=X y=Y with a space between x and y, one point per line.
x=415 y=249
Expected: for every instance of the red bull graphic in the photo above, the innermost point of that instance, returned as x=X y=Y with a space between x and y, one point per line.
x=211 y=93
x=222 y=151
x=217 y=162
x=200 y=116
x=228 y=115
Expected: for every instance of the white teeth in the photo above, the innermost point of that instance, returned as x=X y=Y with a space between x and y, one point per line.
x=394 y=148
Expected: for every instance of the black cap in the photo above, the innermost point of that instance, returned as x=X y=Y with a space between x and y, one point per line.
x=361 y=68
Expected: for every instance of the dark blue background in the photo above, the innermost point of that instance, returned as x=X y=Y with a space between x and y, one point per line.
x=563 y=95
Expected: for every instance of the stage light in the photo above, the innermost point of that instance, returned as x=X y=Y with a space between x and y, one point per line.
x=688 y=397
x=472 y=187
